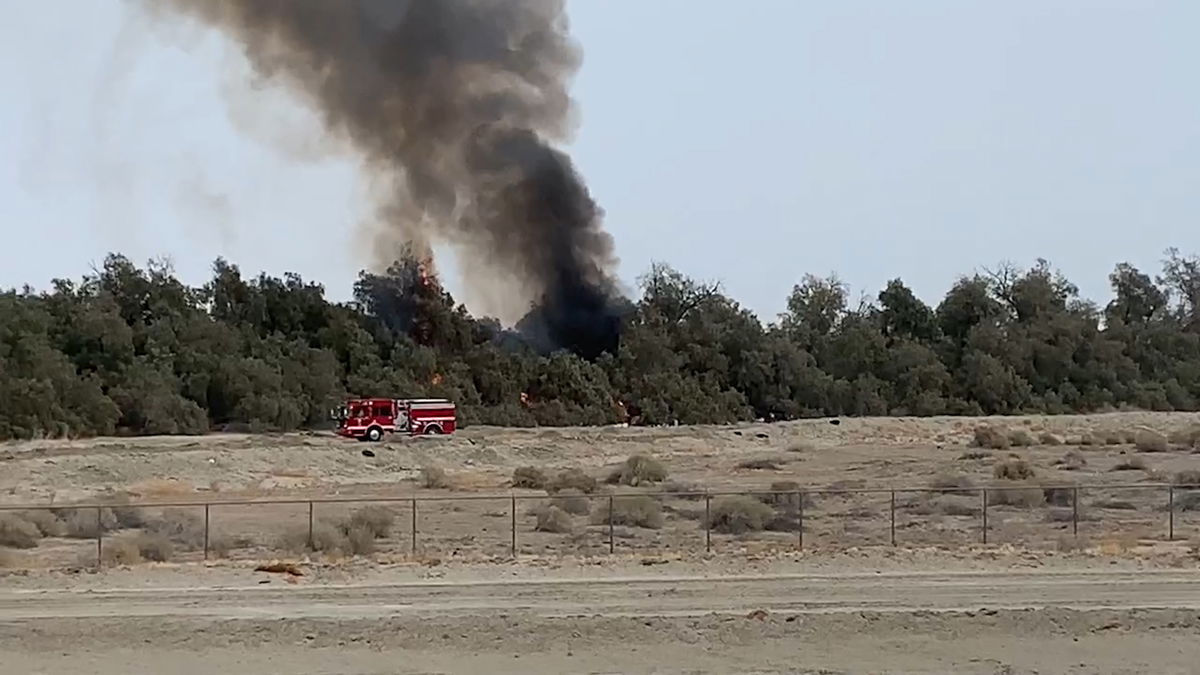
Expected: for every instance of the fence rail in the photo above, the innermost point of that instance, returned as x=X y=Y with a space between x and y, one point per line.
x=991 y=499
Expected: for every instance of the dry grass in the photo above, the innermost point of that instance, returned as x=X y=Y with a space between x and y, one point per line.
x=684 y=490
x=154 y=547
x=529 y=478
x=182 y=527
x=1072 y=461
x=1058 y=496
x=975 y=455
x=574 y=479
x=786 y=494
x=1113 y=438
x=121 y=551
x=360 y=538
x=1115 y=504
x=1020 y=438
x=1188 y=437
x=992 y=437
x=638 y=470
x=16 y=532
x=1149 y=440
x=1050 y=440
x=1013 y=468
x=434 y=478
x=800 y=447
x=46 y=522
x=631 y=510
x=762 y=464
x=375 y=518
x=551 y=518
x=951 y=483
x=83 y=523
x=572 y=501
x=739 y=514
x=1187 y=477
x=1019 y=497
x=1129 y=463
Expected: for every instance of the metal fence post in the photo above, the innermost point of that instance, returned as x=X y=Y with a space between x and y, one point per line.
x=611 y=541
x=800 y=521
x=707 y=523
x=99 y=537
x=1075 y=511
x=310 y=525
x=414 y=526
x=1170 y=513
x=985 y=523
x=893 y=517
x=206 y=531
x=514 y=526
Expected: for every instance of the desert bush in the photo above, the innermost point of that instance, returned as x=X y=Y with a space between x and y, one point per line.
x=154 y=547
x=1187 y=477
x=951 y=482
x=375 y=518
x=1149 y=440
x=956 y=505
x=631 y=510
x=551 y=518
x=181 y=526
x=434 y=478
x=16 y=532
x=1013 y=468
x=1058 y=496
x=638 y=470
x=801 y=446
x=1129 y=463
x=360 y=538
x=529 y=478
x=1061 y=515
x=1020 y=497
x=1188 y=501
x=975 y=455
x=1090 y=438
x=46 y=522
x=1048 y=439
x=1188 y=437
x=1072 y=461
x=574 y=479
x=991 y=437
x=125 y=515
x=761 y=464
x=1113 y=438
x=220 y=546
x=738 y=514
x=326 y=538
x=82 y=523
x=1020 y=438
x=684 y=490
x=572 y=501
x=121 y=551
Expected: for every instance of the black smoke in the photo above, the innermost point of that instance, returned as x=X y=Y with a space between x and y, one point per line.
x=459 y=107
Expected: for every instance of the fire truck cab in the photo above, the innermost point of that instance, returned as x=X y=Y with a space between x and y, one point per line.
x=368 y=419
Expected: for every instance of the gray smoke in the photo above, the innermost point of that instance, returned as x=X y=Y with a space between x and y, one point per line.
x=456 y=105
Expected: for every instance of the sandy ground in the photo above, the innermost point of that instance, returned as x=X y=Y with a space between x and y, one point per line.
x=1076 y=618
x=1108 y=593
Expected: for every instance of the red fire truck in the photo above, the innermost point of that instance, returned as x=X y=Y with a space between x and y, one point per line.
x=368 y=419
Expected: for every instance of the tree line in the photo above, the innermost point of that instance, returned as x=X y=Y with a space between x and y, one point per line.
x=133 y=350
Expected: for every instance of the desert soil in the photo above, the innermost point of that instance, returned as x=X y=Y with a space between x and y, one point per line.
x=1043 y=595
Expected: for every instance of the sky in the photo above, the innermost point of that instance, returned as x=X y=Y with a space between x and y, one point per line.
x=748 y=143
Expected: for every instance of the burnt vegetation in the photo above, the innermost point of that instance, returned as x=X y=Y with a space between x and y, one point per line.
x=134 y=350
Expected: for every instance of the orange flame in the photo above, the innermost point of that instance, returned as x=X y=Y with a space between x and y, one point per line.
x=436 y=379
x=524 y=399
x=426 y=272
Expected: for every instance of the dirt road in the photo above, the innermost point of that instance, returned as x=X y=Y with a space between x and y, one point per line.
x=909 y=622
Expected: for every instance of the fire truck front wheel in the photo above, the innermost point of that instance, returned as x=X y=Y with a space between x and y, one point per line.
x=433 y=430
x=374 y=434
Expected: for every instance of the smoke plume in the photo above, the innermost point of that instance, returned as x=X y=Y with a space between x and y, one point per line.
x=455 y=107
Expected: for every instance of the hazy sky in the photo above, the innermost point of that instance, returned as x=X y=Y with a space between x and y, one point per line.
x=747 y=142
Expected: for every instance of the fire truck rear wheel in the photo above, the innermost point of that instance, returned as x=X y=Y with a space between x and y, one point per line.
x=433 y=430
x=374 y=434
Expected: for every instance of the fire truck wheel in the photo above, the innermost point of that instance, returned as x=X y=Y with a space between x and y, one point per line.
x=433 y=430
x=374 y=434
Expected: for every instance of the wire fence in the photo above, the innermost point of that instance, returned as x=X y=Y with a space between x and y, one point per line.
x=516 y=524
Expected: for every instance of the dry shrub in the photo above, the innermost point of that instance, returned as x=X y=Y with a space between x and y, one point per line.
x=1149 y=440
x=221 y=546
x=529 y=478
x=574 y=479
x=1187 y=477
x=1020 y=438
x=1115 y=504
x=1058 y=496
x=46 y=522
x=786 y=494
x=375 y=518
x=1072 y=544
x=1188 y=437
x=638 y=470
x=761 y=464
x=1059 y=515
x=682 y=490
x=632 y=511
x=1020 y=497
x=1072 y=461
x=121 y=551
x=1013 y=468
x=154 y=547
x=360 y=538
x=956 y=505
x=992 y=437
x=801 y=446
x=1188 y=501
x=975 y=455
x=553 y=519
x=325 y=539
x=1089 y=439
x=572 y=501
x=82 y=523
x=125 y=515
x=951 y=482
x=1048 y=439
x=434 y=478
x=738 y=514
x=1130 y=464
x=16 y=532
x=1114 y=438
x=181 y=526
